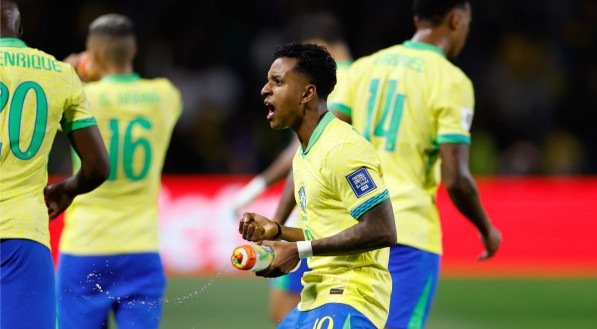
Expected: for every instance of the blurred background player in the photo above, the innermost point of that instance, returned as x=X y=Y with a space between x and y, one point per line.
x=109 y=250
x=416 y=107
x=38 y=94
x=345 y=213
x=324 y=29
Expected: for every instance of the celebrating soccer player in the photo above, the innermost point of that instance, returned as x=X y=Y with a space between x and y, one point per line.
x=345 y=215
x=322 y=29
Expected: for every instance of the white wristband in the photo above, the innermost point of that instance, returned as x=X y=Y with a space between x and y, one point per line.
x=249 y=193
x=304 y=249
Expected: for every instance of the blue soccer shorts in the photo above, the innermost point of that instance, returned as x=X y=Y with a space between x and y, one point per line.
x=291 y=282
x=27 y=295
x=327 y=316
x=414 y=279
x=130 y=285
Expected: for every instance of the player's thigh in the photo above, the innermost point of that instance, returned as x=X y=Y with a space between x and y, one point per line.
x=27 y=293
x=140 y=290
x=84 y=291
x=414 y=279
x=333 y=316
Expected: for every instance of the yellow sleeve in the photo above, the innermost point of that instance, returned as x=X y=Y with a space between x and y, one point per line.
x=454 y=111
x=354 y=172
x=341 y=99
x=76 y=110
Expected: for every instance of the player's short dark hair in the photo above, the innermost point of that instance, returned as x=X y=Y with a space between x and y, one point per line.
x=313 y=61
x=434 y=11
x=320 y=25
x=113 y=25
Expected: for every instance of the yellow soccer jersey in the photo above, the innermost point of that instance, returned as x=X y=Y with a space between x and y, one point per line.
x=37 y=95
x=341 y=73
x=136 y=118
x=337 y=179
x=406 y=100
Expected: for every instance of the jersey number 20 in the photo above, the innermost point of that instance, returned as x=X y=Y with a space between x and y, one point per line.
x=15 y=116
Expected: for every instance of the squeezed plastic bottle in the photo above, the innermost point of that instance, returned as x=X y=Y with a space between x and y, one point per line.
x=252 y=257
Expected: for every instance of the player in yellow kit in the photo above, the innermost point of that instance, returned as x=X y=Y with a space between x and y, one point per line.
x=38 y=95
x=417 y=108
x=345 y=215
x=109 y=250
x=322 y=29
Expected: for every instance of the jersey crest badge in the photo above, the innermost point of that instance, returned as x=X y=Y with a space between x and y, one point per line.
x=303 y=198
x=361 y=182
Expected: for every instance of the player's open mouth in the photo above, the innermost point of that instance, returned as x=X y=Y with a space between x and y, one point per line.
x=270 y=109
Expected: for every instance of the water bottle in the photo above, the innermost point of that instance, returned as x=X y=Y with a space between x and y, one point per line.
x=252 y=257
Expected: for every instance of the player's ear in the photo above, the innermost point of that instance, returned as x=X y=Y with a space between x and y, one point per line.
x=455 y=19
x=309 y=93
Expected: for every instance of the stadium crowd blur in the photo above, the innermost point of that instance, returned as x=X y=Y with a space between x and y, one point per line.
x=533 y=65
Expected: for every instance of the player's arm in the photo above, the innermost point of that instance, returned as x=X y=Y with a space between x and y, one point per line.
x=276 y=171
x=376 y=229
x=287 y=201
x=95 y=169
x=462 y=189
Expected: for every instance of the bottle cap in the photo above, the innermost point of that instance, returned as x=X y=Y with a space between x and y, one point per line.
x=243 y=257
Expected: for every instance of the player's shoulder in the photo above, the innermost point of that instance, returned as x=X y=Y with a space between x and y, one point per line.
x=161 y=82
x=342 y=135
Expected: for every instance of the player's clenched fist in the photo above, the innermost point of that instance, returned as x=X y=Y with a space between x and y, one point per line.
x=254 y=227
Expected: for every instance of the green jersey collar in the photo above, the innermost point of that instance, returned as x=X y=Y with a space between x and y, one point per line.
x=327 y=118
x=122 y=78
x=12 y=43
x=423 y=46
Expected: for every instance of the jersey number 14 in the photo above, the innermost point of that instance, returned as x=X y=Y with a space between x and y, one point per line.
x=392 y=105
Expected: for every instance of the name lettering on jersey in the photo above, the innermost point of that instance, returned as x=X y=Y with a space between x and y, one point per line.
x=413 y=63
x=361 y=182
x=303 y=198
x=466 y=118
x=31 y=61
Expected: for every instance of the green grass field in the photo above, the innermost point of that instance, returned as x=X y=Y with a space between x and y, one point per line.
x=231 y=303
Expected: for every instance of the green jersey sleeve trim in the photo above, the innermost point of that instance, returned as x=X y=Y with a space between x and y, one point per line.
x=423 y=46
x=12 y=43
x=344 y=64
x=339 y=107
x=327 y=118
x=122 y=78
x=365 y=206
x=453 y=139
x=68 y=127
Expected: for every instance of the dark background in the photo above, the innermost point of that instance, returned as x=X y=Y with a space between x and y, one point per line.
x=532 y=63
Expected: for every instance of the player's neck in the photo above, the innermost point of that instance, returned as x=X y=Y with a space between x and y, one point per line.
x=309 y=123
x=118 y=70
x=433 y=37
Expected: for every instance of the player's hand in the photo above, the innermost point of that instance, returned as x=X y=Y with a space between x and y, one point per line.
x=491 y=241
x=58 y=198
x=254 y=227
x=83 y=66
x=285 y=260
